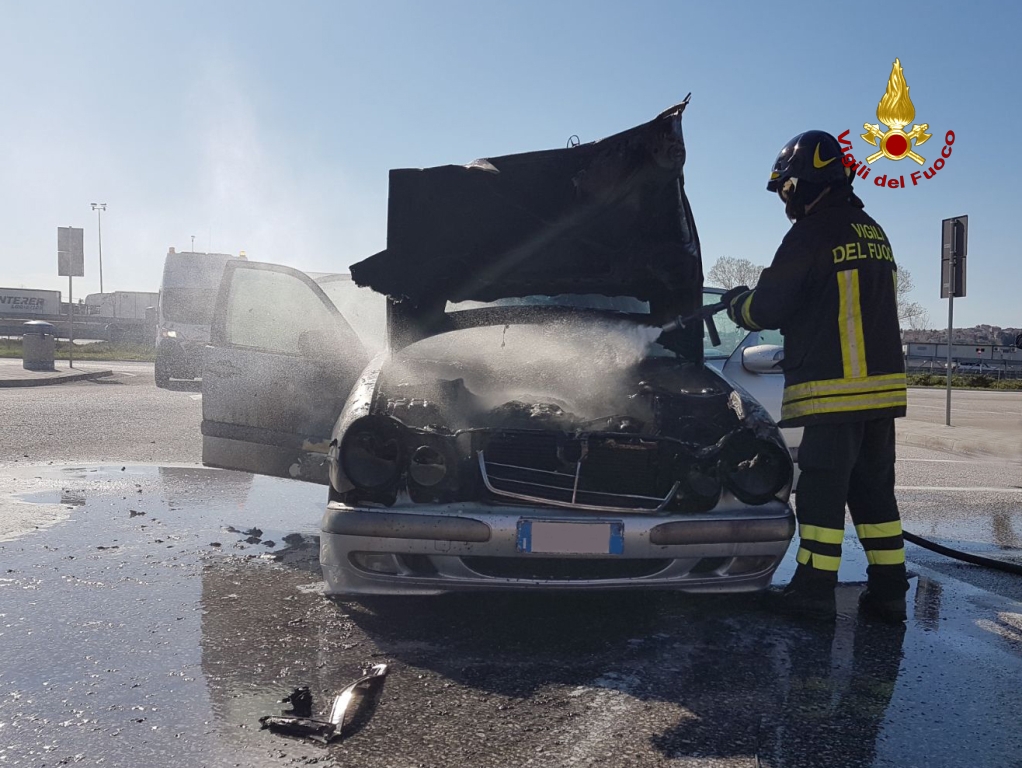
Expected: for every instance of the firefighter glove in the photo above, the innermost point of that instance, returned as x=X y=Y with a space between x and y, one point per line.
x=738 y=301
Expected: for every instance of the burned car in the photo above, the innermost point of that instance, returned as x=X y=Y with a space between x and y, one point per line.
x=528 y=424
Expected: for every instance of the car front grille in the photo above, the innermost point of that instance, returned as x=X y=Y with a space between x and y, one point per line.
x=601 y=472
x=563 y=568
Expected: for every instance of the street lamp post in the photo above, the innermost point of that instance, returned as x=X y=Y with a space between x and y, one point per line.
x=99 y=208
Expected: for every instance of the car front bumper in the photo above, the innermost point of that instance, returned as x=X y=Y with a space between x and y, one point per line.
x=462 y=547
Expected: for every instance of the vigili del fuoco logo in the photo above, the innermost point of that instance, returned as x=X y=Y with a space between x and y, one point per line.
x=894 y=112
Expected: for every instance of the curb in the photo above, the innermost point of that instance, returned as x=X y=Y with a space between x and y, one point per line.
x=956 y=445
x=46 y=381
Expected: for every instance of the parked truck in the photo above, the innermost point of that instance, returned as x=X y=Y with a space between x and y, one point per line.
x=29 y=303
x=123 y=314
x=116 y=316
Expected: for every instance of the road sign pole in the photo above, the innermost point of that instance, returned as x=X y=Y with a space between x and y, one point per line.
x=950 y=325
x=70 y=325
x=70 y=262
x=954 y=248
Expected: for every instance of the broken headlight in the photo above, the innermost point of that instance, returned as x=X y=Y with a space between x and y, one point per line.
x=754 y=470
x=700 y=487
x=428 y=466
x=372 y=452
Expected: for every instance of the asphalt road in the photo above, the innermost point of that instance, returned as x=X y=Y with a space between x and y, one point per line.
x=144 y=623
x=122 y=418
x=995 y=410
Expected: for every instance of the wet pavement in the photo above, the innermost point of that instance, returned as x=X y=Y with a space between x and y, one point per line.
x=160 y=611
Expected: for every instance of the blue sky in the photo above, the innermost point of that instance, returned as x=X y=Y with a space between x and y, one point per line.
x=270 y=127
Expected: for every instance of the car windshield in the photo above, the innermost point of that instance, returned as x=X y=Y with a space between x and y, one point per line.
x=365 y=310
x=731 y=336
x=189 y=287
x=192 y=305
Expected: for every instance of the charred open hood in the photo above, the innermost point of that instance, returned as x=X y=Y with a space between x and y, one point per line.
x=610 y=217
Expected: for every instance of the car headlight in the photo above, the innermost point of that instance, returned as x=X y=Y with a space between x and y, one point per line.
x=372 y=452
x=754 y=470
x=428 y=466
x=701 y=487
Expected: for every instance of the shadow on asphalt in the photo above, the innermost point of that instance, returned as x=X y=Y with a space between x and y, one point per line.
x=752 y=683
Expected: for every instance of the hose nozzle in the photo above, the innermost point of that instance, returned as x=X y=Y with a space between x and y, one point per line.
x=703 y=315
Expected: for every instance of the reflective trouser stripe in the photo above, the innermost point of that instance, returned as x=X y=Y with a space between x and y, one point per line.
x=879 y=530
x=883 y=542
x=820 y=534
x=885 y=556
x=820 y=562
x=853 y=344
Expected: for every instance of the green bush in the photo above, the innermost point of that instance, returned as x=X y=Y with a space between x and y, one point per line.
x=960 y=380
x=101 y=350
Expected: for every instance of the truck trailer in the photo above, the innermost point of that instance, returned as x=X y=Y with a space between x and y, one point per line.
x=29 y=303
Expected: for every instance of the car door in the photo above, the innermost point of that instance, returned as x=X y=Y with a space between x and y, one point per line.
x=278 y=370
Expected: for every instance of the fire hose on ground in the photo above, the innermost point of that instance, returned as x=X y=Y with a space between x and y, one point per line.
x=705 y=315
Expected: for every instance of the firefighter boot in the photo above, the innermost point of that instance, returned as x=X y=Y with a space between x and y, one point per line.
x=888 y=610
x=884 y=598
x=810 y=595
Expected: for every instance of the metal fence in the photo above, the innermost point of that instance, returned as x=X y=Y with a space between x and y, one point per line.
x=988 y=370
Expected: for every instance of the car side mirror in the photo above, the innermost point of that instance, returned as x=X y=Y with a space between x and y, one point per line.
x=763 y=358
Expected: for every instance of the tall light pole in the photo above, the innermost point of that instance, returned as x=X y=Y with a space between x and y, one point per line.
x=99 y=208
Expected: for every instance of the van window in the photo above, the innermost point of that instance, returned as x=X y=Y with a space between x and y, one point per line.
x=272 y=310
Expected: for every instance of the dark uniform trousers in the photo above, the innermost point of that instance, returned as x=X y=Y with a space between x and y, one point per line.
x=850 y=463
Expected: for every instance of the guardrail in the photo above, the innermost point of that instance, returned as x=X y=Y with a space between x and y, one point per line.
x=1006 y=372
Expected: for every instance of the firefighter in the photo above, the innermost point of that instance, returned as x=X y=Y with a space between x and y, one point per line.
x=831 y=290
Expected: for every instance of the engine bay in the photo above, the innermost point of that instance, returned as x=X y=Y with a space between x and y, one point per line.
x=660 y=397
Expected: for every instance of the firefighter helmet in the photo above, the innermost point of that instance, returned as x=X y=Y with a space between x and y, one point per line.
x=805 y=166
x=813 y=156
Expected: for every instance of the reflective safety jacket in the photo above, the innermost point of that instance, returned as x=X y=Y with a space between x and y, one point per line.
x=832 y=291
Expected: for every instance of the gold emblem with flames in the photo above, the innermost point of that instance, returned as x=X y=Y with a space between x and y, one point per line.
x=896 y=110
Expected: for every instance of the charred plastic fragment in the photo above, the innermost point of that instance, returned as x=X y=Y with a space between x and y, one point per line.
x=317 y=730
x=300 y=700
x=351 y=709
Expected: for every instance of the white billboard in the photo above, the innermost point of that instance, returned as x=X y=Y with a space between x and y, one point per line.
x=70 y=252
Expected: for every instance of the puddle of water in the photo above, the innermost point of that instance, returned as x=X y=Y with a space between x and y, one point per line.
x=63 y=497
x=102 y=616
x=125 y=635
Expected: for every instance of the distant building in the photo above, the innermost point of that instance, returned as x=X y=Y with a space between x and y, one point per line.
x=979 y=357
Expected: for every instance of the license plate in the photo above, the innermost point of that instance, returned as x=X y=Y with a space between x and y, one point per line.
x=557 y=538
